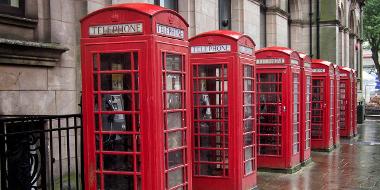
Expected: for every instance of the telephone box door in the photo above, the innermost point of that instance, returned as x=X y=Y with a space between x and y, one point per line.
x=271 y=107
x=318 y=115
x=114 y=127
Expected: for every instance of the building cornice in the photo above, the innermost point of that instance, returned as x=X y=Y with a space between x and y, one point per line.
x=18 y=21
x=30 y=53
x=278 y=11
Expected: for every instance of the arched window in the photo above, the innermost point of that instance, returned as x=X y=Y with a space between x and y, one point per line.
x=224 y=14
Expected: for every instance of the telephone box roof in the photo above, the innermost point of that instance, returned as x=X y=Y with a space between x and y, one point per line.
x=345 y=68
x=144 y=8
x=225 y=33
x=276 y=48
x=323 y=62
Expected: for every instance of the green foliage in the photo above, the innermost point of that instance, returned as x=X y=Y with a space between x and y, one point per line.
x=372 y=22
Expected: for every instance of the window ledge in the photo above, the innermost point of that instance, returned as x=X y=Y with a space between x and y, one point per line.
x=30 y=53
x=18 y=21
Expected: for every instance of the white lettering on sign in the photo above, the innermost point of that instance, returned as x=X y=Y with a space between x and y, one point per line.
x=170 y=31
x=307 y=65
x=270 y=61
x=246 y=50
x=294 y=62
x=319 y=70
x=116 y=29
x=343 y=75
x=211 y=49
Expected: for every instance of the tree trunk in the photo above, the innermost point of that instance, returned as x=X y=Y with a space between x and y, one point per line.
x=375 y=58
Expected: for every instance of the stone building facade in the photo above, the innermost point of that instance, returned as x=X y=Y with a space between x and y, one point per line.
x=40 y=52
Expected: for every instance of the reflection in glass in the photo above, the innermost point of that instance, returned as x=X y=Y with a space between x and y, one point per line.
x=175 y=139
x=173 y=62
x=175 y=177
x=175 y=158
x=173 y=101
x=173 y=120
x=173 y=81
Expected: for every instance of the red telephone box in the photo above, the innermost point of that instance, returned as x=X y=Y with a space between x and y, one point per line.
x=223 y=88
x=135 y=109
x=278 y=113
x=354 y=102
x=337 y=103
x=322 y=114
x=345 y=95
x=305 y=93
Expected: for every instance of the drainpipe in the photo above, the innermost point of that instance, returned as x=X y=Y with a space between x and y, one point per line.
x=289 y=27
x=318 y=31
x=311 y=27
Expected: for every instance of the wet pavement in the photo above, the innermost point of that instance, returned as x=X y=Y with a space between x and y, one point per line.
x=354 y=165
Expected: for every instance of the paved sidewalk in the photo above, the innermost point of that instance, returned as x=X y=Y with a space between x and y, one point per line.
x=354 y=165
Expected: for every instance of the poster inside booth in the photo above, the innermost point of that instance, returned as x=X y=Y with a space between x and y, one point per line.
x=135 y=77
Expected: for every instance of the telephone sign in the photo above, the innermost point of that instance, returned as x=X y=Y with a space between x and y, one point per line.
x=116 y=29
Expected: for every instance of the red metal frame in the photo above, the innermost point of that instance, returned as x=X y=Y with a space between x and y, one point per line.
x=135 y=109
x=306 y=88
x=354 y=102
x=322 y=120
x=223 y=88
x=337 y=104
x=278 y=123
x=345 y=86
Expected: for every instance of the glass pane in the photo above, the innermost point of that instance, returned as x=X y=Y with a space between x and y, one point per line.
x=248 y=85
x=248 y=153
x=211 y=141
x=173 y=120
x=115 y=61
x=248 y=167
x=175 y=158
x=211 y=169
x=248 y=139
x=117 y=122
x=173 y=100
x=173 y=62
x=118 y=162
x=175 y=177
x=116 y=102
x=175 y=139
x=248 y=99
x=248 y=71
x=173 y=81
x=212 y=71
x=116 y=81
x=211 y=155
x=118 y=182
x=248 y=125
x=118 y=142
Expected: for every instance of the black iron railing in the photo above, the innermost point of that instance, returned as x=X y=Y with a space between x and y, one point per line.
x=41 y=152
